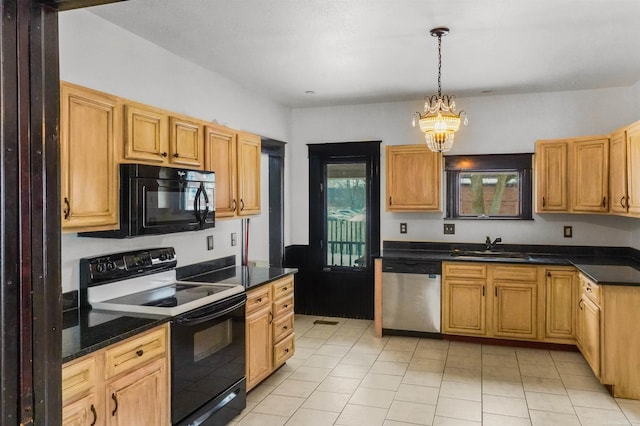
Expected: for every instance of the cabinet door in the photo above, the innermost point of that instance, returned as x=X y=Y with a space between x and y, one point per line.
x=82 y=412
x=220 y=157
x=259 y=346
x=89 y=129
x=618 y=172
x=552 y=176
x=589 y=343
x=633 y=168
x=414 y=178
x=515 y=310
x=186 y=146
x=139 y=398
x=463 y=310
x=249 y=174
x=560 y=306
x=145 y=134
x=591 y=175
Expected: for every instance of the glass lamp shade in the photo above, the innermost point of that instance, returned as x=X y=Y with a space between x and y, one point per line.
x=439 y=129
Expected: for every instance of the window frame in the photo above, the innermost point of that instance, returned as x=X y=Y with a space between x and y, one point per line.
x=491 y=163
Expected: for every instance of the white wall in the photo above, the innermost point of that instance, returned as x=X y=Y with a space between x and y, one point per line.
x=498 y=124
x=97 y=54
x=635 y=92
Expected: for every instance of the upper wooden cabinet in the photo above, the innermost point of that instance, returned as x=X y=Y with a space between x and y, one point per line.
x=618 y=171
x=220 y=156
x=552 y=159
x=572 y=175
x=145 y=134
x=90 y=129
x=249 y=147
x=590 y=178
x=235 y=157
x=186 y=147
x=414 y=179
x=155 y=136
x=633 y=169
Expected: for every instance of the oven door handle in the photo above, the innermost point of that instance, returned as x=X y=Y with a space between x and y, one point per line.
x=195 y=320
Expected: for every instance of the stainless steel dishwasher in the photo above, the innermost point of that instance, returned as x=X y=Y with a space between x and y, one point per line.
x=411 y=297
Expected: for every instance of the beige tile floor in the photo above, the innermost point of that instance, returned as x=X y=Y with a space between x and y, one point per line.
x=343 y=375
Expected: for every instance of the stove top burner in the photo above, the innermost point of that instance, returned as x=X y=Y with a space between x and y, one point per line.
x=176 y=294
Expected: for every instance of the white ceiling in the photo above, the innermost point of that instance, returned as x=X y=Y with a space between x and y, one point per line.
x=362 y=51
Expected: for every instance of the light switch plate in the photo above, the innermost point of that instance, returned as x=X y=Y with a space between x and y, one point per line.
x=209 y=242
x=234 y=239
x=403 y=228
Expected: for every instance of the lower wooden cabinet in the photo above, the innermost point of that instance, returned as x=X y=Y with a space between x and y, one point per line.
x=491 y=300
x=589 y=334
x=136 y=392
x=270 y=329
x=560 y=295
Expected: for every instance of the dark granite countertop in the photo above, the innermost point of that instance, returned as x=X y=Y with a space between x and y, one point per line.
x=611 y=274
x=247 y=276
x=604 y=265
x=86 y=330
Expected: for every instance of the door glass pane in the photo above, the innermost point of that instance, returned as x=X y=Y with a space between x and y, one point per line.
x=346 y=214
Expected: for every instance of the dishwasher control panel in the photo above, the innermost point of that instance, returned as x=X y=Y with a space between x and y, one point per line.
x=411 y=267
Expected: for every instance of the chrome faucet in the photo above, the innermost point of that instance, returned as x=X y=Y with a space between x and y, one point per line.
x=489 y=246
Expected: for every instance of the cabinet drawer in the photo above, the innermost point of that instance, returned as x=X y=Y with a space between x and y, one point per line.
x=284 y=350
x=283 y=287
x=78 y=378
x=464 y=270
x=515 y=273
x=133 y=353
x=282 y=327
x=591 y=289
x=283 y=306
x=258 y=298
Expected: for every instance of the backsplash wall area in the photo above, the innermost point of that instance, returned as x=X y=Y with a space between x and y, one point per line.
x=191 y=247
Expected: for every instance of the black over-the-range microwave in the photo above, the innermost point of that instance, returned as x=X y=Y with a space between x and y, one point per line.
x=162 y=200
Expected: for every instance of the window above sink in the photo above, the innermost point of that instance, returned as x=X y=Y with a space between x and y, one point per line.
x=490 y=186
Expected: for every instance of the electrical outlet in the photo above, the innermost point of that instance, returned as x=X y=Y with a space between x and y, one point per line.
x=568 y=231
x=209 y=242
x=449 y=228
x=403 y=228
x=234 y=239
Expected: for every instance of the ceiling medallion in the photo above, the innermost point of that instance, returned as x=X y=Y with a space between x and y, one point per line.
x=440 y=120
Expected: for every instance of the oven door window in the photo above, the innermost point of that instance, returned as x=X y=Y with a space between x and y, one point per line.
x=168 y=202
x=206 y=359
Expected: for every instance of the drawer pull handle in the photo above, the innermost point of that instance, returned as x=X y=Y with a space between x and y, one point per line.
x=139 y=352
x=270 y=317
x=95 y=415
x=604 y=201
x=235 y=205
x=544 y=202
x=115 y=399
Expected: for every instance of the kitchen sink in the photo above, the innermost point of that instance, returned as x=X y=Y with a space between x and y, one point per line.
x=490 y=254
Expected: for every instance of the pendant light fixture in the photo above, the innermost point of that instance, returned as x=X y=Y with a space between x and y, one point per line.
x=440 y=120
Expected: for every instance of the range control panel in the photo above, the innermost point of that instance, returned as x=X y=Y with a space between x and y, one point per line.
x=121 y=266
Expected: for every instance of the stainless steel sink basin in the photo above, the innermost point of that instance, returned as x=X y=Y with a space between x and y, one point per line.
x=490 y=254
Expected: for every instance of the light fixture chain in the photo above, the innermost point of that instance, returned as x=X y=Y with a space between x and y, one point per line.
x=439 y=65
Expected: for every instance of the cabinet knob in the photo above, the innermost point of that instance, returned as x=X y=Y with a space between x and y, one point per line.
x=164 y=154
x=139 y=352
x=176 y=155
x=548 y=273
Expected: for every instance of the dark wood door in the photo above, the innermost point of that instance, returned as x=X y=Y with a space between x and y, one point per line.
x=344 y=229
